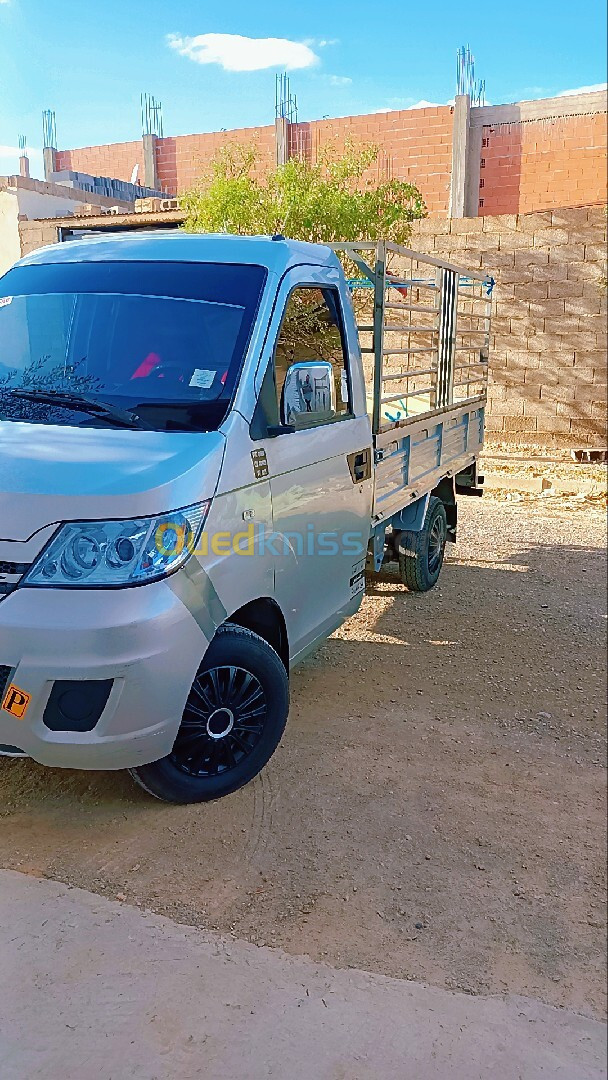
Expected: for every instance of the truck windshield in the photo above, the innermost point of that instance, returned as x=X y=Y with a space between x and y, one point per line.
x=162 y=341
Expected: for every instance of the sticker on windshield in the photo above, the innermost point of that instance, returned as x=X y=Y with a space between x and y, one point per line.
x=202 y=379
x=5 y=301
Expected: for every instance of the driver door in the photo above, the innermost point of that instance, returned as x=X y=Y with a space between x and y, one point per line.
x=319 y=464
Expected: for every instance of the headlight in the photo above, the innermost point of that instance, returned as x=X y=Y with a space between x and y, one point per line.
x=109 y=554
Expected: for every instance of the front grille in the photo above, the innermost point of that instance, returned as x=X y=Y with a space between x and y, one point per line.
x=10 y=576
x=5 y=673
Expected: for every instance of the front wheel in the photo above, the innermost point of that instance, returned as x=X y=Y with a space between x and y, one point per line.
x=232 y=723
x=421 y=553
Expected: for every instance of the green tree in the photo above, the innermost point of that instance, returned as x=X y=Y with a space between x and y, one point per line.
x=329 y=200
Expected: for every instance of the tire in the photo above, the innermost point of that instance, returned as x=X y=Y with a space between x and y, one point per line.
x=233 y=721
x=421 y=553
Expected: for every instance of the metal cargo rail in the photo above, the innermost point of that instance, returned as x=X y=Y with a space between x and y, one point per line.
x=429 y=332
x=424 y=327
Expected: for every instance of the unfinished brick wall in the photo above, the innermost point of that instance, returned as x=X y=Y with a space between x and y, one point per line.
x=538 y=164
x=182 y=160
x=548 y=358
x=415 y=145
x=115 y=159
x=529 y=156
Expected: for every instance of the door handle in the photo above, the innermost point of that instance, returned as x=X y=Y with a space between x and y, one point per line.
x=360 y=465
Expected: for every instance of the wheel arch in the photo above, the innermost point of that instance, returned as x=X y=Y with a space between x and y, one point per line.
x=264 y=617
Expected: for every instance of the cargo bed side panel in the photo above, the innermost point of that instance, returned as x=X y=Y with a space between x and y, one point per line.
x=411 y=460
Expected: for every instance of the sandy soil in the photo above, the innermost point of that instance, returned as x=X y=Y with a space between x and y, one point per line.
x=436 y=810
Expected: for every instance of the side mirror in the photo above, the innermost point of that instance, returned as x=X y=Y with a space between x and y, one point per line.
x=309 y=393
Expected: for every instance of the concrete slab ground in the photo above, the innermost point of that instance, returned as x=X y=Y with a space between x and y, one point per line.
x=92 y=989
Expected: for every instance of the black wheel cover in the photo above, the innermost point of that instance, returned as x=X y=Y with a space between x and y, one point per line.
x=222 y=723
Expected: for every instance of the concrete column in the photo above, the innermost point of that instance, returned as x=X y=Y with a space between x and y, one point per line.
x=281 y=127
x=471 y=184
x=460 y=153
x=24 y=165
x=49 y=158
x=150 y=171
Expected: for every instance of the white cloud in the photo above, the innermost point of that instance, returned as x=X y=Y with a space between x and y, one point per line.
x=14 y=151
x=340 y=80
x=583 y=90
x=408 y=103
x=236 y=53
x=424 y=104
x=399 y=103
x=326 y=42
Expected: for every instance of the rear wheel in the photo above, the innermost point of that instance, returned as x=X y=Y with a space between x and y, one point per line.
x=232 y=723
x=421 y=553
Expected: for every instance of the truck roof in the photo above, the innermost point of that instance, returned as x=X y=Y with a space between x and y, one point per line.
x=174 y=245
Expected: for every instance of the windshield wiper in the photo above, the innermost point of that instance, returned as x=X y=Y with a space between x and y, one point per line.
x=82 y=402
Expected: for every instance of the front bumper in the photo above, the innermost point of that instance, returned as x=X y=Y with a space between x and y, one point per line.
x=144 y=639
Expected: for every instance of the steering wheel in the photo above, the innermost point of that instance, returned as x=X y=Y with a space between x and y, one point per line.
x=167 y=367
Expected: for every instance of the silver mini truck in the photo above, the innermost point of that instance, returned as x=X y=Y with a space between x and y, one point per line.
x=201 y=454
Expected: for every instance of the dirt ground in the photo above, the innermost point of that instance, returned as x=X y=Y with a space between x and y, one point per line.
x=436 y=810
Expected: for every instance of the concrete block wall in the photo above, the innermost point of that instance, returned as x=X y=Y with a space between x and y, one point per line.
x=22 y=197
x=40 y=233
x=548 y=349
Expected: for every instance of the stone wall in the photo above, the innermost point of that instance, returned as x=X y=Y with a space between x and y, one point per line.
x=548 y=355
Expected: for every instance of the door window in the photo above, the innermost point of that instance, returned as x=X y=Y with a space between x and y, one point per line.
x=312 y=330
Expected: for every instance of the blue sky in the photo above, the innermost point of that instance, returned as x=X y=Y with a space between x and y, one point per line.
x=91 y=61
